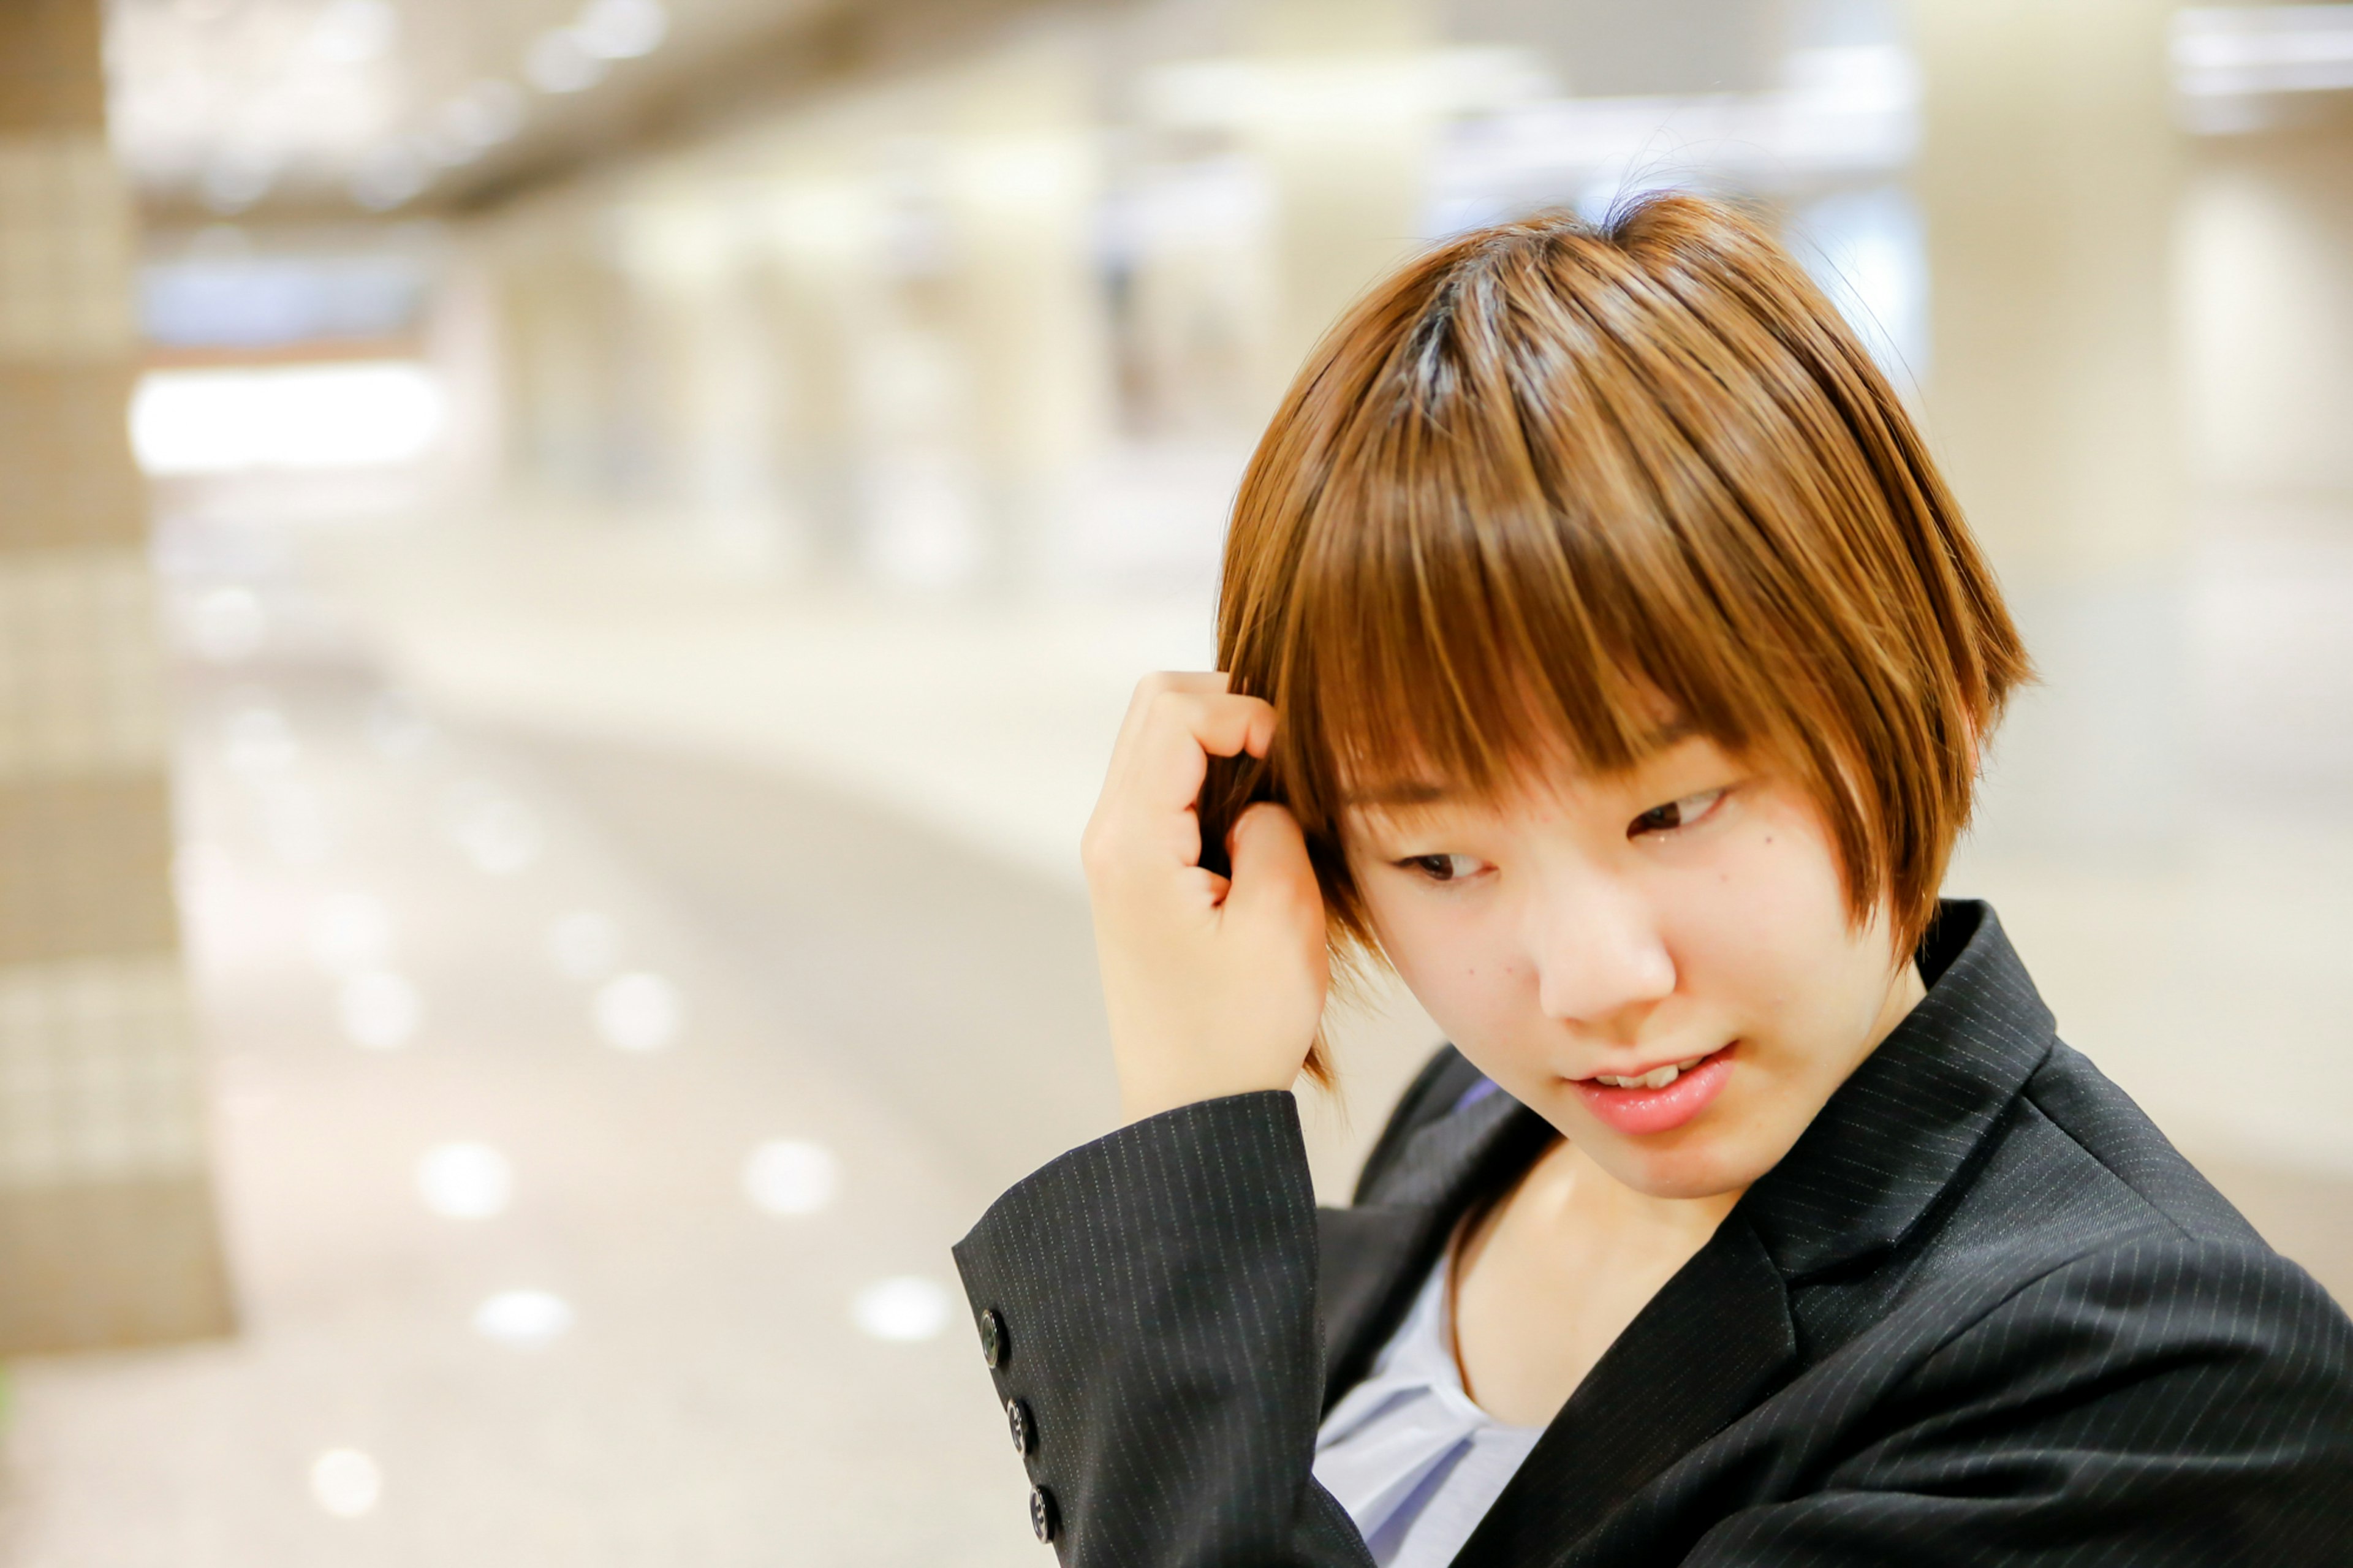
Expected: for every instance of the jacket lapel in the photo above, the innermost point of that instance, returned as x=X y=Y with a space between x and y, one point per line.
x=1715 y=1339
x=1373 y=1257
x=1369 y=1259
x=1902 y=1131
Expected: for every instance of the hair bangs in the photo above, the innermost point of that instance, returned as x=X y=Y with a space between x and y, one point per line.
x=1451 y=635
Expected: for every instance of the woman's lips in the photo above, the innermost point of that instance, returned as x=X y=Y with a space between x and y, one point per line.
x=1640 y=1110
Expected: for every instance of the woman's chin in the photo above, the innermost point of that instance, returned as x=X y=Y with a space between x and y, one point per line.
x=1694 y=1163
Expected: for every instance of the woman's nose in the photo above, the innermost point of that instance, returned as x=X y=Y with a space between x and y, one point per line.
x=1599 y=953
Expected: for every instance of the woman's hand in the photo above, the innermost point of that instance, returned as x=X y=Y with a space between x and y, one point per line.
x=1214 y=987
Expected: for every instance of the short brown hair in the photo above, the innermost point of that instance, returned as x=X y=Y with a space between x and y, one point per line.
x=1553 y=472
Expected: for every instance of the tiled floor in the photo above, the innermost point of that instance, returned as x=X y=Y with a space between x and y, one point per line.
x=372 y=903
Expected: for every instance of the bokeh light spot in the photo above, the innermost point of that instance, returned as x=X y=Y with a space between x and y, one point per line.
x=903 y=1308
x=523 y=1316
x=345 y=1482
x=465 y=1181
x=638 y=1012
x=791 y=1176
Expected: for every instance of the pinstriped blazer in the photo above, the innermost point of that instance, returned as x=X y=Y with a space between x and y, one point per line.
x=1981 y=1313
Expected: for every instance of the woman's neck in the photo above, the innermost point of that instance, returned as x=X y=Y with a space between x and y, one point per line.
x=1549 y=1278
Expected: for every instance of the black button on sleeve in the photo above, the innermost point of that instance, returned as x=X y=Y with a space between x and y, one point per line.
x=994 y=1345
x=1025 y=1431
x=1041 y=1512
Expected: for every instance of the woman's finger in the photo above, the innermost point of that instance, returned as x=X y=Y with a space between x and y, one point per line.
x=1274 y=888
x=1145 y=817
x=1180 y=732
x=1194 y=682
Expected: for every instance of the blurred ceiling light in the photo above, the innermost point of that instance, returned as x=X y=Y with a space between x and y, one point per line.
x=485 y=114
x=359 y=415
x=351 y=32
x=2244 y=51
x=559 y=62
x=622 y=29
x=1224 y=94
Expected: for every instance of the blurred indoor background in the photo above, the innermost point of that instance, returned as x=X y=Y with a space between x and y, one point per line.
x=567 y=569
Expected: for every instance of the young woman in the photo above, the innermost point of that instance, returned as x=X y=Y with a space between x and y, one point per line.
x=1602 y=651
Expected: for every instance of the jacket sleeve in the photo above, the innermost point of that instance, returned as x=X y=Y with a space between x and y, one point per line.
x=2079 y=1423
x=1153 y=1301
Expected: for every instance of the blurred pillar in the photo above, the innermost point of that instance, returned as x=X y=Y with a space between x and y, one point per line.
x=462 y=343
x=562 y=369
x=1021 y=178
x=2268 y=312
x=703 y=391
x=107 y=1231
x=1343 y=130
x=2048 y=173
x=825 y=277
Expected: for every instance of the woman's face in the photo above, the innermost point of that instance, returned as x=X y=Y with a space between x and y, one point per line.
x=1682 y=924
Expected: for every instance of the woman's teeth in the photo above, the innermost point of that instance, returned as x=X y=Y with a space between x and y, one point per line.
x=1657 y=1078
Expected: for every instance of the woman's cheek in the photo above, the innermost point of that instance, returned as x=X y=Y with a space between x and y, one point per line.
x=1458 y=980
x=1760 y=935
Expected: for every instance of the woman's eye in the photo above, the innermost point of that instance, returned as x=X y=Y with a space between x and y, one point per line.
x=1442 y=868
x=1676 y=813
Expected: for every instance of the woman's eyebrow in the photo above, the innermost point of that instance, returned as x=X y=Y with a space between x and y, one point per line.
x=1671 y=732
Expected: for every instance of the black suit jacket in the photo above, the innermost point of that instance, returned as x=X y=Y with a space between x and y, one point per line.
x=1982 y=1313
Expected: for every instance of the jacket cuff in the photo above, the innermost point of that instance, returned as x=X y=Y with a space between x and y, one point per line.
x=1148 y=1295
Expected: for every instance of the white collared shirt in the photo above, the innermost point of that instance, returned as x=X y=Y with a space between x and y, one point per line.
x=1413 y=1460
